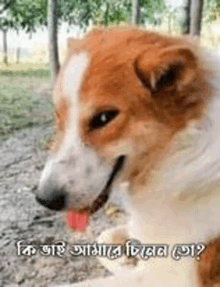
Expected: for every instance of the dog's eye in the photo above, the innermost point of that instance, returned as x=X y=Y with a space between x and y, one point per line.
x=102 y=119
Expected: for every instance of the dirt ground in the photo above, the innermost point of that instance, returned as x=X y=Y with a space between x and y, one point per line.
x=22 y=218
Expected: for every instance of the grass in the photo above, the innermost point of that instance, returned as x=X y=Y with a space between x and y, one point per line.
x=24 y=66
x=40 y=73
x=39 y=70
x=25 y=97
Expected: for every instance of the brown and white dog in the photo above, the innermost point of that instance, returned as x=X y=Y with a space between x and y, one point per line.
x=137 y=107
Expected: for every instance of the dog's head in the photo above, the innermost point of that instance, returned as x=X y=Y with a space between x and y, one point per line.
x=119 y=99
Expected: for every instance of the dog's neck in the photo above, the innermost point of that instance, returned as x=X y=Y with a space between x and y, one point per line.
x=183 y=197
x=191 y=168
x=195 y=162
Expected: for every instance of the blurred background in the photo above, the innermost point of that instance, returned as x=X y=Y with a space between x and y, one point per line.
x=34 y=39
x=33 y=42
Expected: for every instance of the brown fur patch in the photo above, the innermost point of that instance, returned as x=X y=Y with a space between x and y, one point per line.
x=209 y=265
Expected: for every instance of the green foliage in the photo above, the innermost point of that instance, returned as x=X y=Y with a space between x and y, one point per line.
x=153 y=11
x=115 y=12
x=211 y=10
x=5 y=4
x=81 y=12
x=24 y=14
x=28 y=14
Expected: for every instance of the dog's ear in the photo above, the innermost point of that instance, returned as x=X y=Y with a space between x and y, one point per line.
x=170 y=68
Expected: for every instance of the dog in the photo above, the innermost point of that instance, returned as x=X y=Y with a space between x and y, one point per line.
x=138 y=112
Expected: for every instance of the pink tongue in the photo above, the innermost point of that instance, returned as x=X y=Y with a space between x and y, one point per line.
x=77 y=221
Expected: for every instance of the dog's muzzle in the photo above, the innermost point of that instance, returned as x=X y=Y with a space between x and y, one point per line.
x=57 y=198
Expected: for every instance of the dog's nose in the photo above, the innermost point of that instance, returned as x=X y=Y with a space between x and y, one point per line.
x=55 y=201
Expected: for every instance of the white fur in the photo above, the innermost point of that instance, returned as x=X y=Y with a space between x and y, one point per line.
x=72 y=80
x=73 y=158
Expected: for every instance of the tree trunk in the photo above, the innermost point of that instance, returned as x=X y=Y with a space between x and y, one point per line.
x=169 y=23
x=53 y=41
x=18 y=53
x=106 y=14
x=136 y=12
x=196 y=17
x=5 y=47
x=186 y=16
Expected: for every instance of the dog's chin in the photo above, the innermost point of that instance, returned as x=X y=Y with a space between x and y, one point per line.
x=81 y=216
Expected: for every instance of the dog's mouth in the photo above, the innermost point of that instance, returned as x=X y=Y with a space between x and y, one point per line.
x=80 y=218
x=104 y=195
